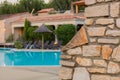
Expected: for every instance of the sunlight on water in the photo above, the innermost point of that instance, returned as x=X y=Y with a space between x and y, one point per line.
x=29 y=58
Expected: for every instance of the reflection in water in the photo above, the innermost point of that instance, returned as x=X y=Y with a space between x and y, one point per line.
x=2 y=59
x=31 y=58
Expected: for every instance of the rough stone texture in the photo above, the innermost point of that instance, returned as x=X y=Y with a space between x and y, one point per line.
x=81 y=74
x=100 y=63
x=111 y=26
x=108 y=41
x=91 y=50
x=100 y=0
x=79 y=39
x=93 y=40
x=115 y=78
x=113 y=33
x=115 y=9
x=116 y=54
x=94 y=11
x=99 y=31
x=97 y=70
x=106 y=52
x=88 y=2
x=99 y=41
x=67 y=63
x=66 y=73
x=107 y=0
x=113 y=68
x=100 y=77
x=118 y=22
x=104 y=21
x=89 y=22
x=66 y=56
x=75 y=51
x=84 y=61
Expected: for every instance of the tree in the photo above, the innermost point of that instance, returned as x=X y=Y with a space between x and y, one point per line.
x=65 y=33
x=29 y=5
x=60 y=4
x=21 y=6
x=27 y=25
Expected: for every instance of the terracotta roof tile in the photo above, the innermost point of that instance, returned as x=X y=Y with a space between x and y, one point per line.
x=50 y=18
x=46 y=10
x=6 y=16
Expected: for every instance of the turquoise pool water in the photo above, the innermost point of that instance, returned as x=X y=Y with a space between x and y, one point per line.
x=10 y=57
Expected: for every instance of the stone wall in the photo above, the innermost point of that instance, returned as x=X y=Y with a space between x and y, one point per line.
x=94 y=52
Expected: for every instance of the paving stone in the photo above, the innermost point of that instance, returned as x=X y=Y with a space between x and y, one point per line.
x=100 y=63
x=81 y=74
x=84 y=61
x=97 y=11
x=96 y=31
x=75 y=51
x=97 y=70
x=91 y=50
x=66 y=73
x=113 y=68
x=116 y=54
x=106 y=52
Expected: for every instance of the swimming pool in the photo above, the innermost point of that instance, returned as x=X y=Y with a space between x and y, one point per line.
x=9 y=57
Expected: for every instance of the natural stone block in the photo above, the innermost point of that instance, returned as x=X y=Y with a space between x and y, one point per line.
x=108 y=41
x=116 y=54
x=93 y=39
x=67 y=63
x=99 y=31
x=89 y=2
x=66 y=56
x=115 y=78
x=91 y=50
x=113 y=68
x=100 y=0
x=84 y=61
x=100 y=77
x=107 y=0
x=79 y=39
x=118 y=22
x=66 y=73
x=104 y=21
x=111 y=26
x=114 y=9
x=97 y=70
x=113 y=33
x=106 y=52
x=81 y=74
x=100 y=63
x=89 y=21
x=75 y=51
x=97 y=11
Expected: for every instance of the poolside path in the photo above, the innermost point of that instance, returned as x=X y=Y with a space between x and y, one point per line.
x=29 y=73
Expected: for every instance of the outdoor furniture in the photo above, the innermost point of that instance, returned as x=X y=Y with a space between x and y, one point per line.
x=57 y=45
x=24 y=43
x=28 y=45
x=33 y=45
x=38 y=45
x=50 y=46
x=46 y=45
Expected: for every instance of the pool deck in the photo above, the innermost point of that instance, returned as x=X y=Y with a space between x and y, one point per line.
x=36 y=50
x=29 y=73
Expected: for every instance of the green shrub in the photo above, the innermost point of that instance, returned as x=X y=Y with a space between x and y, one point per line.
x=18 y=45
x=65 y=33
x=10 y=38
